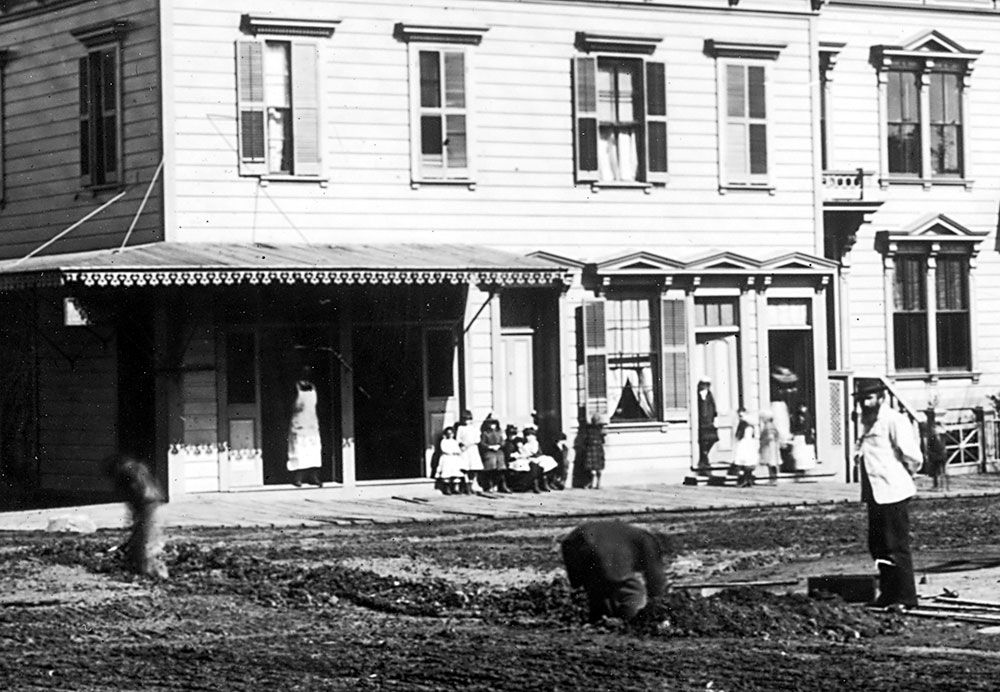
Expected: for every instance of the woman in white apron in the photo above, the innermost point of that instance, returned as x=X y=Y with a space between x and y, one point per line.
x=305 y=450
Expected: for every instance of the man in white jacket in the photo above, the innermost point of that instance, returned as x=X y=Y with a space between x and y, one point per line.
x=888 y=454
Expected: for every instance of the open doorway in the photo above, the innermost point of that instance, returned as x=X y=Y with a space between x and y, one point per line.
x=388 y=401
x=284 y=354
x=793 y=349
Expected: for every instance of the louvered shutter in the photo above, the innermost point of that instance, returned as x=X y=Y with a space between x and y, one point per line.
x=250 y=107
x=656 y=123
x=305 y=109
x=673 y=353
x=585 y=118
x=595 y=359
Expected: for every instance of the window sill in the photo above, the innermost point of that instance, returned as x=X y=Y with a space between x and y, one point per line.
x=639 y=426
x=266 y=180
x=95 y=190
x=756 y=187
x=621 y=185
x=938 y=375
x=926 y=183
x=416 y=184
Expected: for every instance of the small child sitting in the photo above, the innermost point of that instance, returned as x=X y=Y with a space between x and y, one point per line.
x=546 y=464
x=450 y=463
x=523 y=473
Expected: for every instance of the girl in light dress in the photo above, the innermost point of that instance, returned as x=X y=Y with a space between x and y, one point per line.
x=770 y=445
x=747 y=449
x=545 y=463
x=472 y=463
x=450 y=463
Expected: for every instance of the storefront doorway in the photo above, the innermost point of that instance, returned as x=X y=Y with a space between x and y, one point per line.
x=388 y=401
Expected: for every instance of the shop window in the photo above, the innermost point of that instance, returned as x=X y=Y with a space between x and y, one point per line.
x=634 y=358
x=241 y=368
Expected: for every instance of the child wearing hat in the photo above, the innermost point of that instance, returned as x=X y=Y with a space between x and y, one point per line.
x=746 y=454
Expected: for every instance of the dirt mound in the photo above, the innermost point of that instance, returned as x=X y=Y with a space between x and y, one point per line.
x=200 y=570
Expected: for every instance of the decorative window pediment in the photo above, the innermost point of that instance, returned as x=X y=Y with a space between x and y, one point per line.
x=801 y=263
x=436 y=33
x=262 y=24
x=929 y=46
x=100 y=34
x=743 y=50
x=933 y=233
x=617 y=43
x=639 y=263
x=724 y=261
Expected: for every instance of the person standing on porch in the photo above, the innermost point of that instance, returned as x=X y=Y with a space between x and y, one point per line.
x=305 y=449
x=593 y=450
x=786 y=388
x=707 y=434
x=746 y=450
x=888 y=454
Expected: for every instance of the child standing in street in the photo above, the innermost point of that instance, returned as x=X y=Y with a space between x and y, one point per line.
x=747 y=449
x=135 y=485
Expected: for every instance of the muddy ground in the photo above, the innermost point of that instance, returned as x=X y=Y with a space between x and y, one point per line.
x=484 y=605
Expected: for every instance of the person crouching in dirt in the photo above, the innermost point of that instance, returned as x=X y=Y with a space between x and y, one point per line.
x=136 y=487
x=620 y=566
x=888 y=454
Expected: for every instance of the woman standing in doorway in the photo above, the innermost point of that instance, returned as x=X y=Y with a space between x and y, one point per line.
x=305 y=448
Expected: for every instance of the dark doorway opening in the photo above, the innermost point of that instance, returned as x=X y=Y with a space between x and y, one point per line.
x=793 y=349
x=284 y=353
x=388 y=401
x=136 y=384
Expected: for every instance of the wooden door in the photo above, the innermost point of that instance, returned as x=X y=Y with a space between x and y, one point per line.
x=716 y=355
x=515 y=391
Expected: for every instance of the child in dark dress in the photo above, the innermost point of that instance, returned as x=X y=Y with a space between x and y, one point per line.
x=593 y=451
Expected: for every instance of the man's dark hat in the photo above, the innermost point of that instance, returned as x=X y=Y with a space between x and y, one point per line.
x=466 y=415
x=870 y=387
x=511 y=428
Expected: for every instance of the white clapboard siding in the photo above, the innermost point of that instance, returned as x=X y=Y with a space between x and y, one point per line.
x=523 y=139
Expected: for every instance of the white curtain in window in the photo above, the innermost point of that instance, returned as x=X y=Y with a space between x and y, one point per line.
x=617 y=158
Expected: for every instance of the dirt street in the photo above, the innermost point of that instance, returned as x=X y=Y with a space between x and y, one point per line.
x=484 y=605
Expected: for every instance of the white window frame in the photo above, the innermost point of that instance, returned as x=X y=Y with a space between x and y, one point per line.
x=745 y=55
x=442 y=39
x=642 y=50
x=928 y=242
x=98 y=39
x=263 y=29
x=923 y=56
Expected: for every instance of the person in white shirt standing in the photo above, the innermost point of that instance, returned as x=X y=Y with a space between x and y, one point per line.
x=888 y=454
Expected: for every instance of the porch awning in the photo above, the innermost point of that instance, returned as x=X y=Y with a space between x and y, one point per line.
x=224 y=264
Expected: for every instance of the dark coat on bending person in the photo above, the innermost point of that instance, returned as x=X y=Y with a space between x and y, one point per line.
x=601 y=555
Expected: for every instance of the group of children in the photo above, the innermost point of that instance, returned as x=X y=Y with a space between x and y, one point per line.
x=771 y=442
x=469 y=460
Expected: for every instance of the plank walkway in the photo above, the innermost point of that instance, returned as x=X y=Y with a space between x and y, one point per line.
x=333 y=506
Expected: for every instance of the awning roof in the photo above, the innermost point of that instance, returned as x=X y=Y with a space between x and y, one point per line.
x=223 y=264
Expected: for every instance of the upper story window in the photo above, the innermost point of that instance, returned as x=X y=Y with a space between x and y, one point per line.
x=743 y=71
x=3 y=64
x=620 y=106
x=923 y=101
x=100 y=104
x=929 y=279
x=828 y=53
x=442 y=144
x=279 y=97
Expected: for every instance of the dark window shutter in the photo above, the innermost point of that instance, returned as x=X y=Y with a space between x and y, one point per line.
x=585 y=115
x=656 y=123
x=250 y=107
x=673 y=351
x=305 y=109
x=86 y=120
x=595 y=359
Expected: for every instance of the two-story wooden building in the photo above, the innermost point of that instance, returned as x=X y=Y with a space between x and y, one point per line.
x=561 y=207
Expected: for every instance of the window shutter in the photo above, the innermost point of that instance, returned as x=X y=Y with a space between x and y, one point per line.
x=585 y=113
x=673 y=352
x=656 y=123
x=595 y=359
x=250 y=107
x=85 y=121
x=305 y=109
